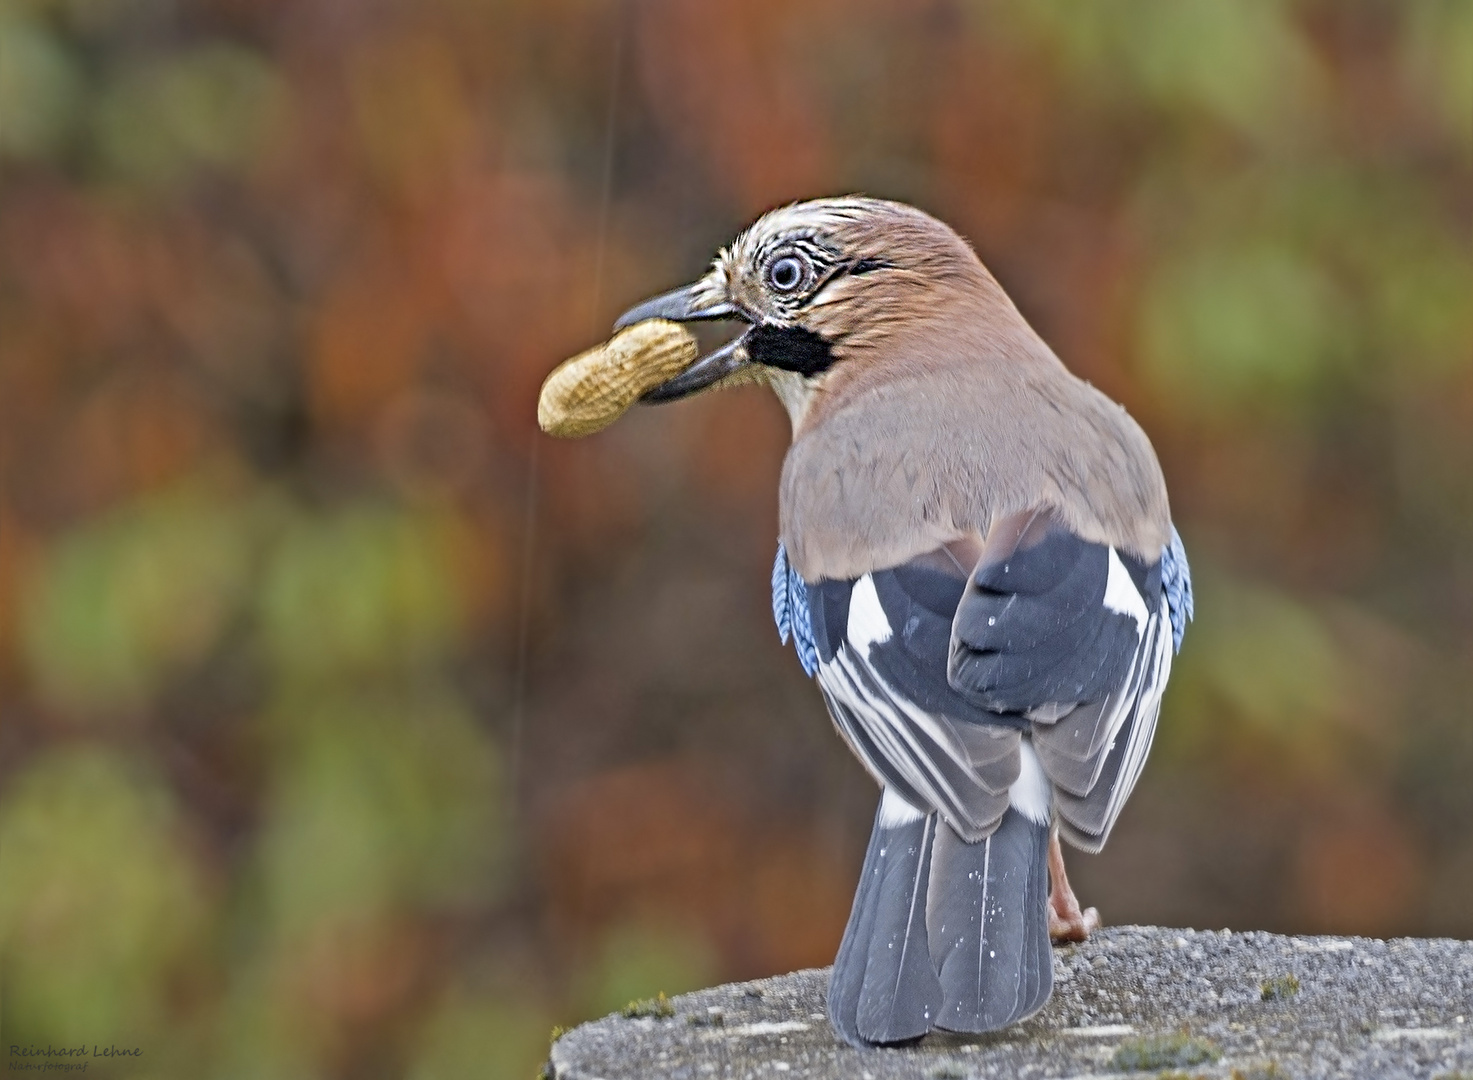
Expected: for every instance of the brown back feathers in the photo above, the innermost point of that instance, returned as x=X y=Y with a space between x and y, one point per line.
x=947 y=413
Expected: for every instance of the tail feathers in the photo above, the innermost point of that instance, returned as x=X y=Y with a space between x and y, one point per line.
x=988 y=925
x=943 y=933
x=847 y=979
x=884 y=988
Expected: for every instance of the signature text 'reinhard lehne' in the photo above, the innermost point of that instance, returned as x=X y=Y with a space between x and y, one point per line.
x=65 y=1058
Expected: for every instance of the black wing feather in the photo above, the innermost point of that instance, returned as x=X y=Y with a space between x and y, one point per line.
x=1033 y=628
x=1075 y=636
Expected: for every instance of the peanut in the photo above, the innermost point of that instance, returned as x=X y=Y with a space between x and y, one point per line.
x=594 y=388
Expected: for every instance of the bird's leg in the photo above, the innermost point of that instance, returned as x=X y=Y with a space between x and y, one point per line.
x=1065 y=921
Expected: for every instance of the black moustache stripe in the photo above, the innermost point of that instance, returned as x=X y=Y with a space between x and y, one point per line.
x=791 y=348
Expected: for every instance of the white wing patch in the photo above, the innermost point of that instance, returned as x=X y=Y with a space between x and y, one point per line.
x=1122 y=596
x=867 y=623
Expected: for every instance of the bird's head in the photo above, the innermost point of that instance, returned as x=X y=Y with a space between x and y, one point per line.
x=820 y=284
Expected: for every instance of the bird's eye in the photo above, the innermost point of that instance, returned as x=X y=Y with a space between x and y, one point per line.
x=786 y=273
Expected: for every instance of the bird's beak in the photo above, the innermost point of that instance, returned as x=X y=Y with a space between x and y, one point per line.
x=692 y=304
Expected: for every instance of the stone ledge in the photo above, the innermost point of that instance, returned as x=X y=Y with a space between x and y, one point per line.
x=1132 y=1002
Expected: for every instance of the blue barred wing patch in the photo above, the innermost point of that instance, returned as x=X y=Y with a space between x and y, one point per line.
x=782 y=604
x=790 y=610
x=1176 y=581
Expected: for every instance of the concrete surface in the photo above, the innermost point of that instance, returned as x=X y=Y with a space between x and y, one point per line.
x=1131 y=1002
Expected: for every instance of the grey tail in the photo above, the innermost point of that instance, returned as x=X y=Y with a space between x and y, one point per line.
x=988 y=925
x=884 y=987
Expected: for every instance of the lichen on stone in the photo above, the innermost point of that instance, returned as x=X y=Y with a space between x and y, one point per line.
x=1279 y=988
x=658 y=1007
x=1163 y=1052
x=1268 y=1070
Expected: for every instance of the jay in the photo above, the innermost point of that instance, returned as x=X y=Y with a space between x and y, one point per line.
x=977 y=565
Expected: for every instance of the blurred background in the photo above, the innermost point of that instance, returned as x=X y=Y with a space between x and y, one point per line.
x=354 y=729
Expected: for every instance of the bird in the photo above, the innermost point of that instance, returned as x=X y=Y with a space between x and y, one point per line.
x=977 y=564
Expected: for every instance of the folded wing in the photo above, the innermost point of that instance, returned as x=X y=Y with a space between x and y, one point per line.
x=1076 y=638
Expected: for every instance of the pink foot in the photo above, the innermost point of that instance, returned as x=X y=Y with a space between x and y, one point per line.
x=1066 y=922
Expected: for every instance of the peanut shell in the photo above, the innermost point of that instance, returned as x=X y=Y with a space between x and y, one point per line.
x=594 y=388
